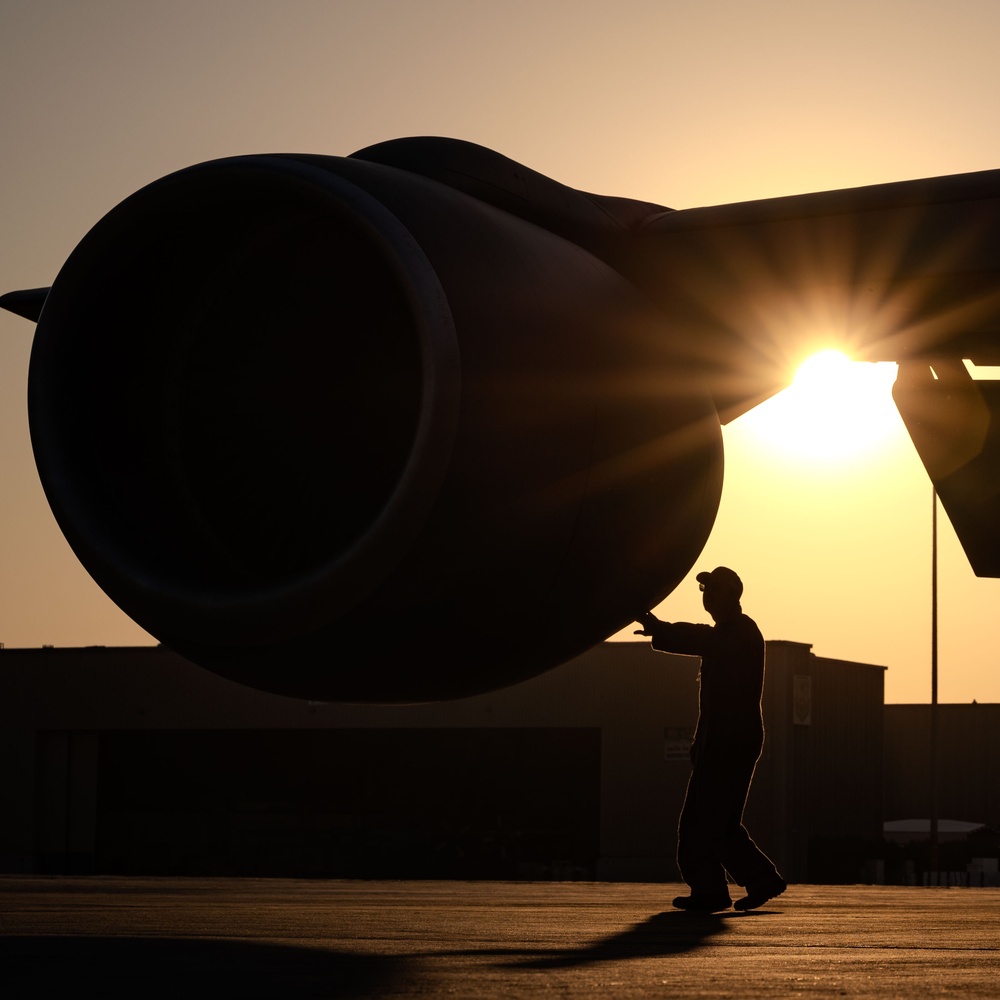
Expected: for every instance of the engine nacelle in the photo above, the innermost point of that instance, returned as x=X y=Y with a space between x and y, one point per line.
x=337 y=430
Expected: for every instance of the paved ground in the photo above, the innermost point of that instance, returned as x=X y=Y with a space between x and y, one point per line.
x=184 y=938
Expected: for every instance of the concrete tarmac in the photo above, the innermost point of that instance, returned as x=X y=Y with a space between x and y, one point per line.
x=184 y=938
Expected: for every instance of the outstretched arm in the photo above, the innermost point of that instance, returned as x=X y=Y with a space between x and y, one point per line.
x=676 y=637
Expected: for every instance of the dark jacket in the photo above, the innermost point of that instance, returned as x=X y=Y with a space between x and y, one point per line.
x=732 y=679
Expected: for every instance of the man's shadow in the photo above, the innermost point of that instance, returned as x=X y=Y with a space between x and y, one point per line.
x=154 y=968
x=669 y=933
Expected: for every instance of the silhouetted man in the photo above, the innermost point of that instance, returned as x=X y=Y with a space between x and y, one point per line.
x=711 y=838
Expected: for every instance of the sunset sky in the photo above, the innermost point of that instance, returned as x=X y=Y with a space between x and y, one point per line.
x=681 y=103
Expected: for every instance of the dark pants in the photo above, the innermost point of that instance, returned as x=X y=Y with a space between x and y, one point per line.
x=711 y=838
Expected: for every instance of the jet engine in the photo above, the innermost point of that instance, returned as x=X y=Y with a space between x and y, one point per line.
x=338 y=430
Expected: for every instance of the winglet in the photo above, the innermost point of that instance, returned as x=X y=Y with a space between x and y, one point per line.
x=27 y=303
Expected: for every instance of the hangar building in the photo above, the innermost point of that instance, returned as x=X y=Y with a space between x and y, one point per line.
x=133 y=760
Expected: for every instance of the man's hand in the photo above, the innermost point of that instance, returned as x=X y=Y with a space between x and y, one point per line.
x=647 y=621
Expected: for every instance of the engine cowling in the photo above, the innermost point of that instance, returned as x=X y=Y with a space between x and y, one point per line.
x=340 y=431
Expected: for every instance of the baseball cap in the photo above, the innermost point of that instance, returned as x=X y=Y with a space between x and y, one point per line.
x=722 y=578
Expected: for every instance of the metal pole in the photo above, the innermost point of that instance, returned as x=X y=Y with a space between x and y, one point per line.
x=934 y=855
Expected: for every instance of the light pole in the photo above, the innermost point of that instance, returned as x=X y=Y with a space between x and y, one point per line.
x=935 y=866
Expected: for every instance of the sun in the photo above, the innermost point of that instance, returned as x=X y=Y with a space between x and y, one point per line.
x=835 y=410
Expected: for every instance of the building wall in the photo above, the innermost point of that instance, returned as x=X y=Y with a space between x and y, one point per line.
x=136 y=758
x=819 y=776
x=969 y=762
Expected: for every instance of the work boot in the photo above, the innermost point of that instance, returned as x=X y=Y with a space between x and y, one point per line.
x=704 y=902
x=760 y=893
